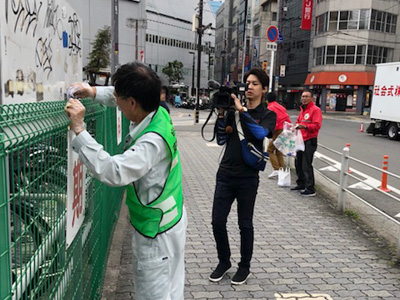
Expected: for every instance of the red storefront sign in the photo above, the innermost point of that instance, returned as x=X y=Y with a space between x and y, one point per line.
x=306 y=16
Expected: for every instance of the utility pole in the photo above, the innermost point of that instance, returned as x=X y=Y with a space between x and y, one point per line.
x=194 y=59
x=114 y=35
x=244 y=38
x=278 y=48
x=199 y=33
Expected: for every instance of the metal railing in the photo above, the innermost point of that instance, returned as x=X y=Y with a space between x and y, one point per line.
x=34 y=260
x=346 y=174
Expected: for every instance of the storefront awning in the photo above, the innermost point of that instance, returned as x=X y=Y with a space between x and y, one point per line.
x=340 y=78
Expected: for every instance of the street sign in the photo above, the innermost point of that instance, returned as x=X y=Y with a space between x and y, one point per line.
x=272 y=33
x=280 y=36
x=271 y=46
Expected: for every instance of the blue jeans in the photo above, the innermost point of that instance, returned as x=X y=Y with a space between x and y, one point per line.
x=228 y=189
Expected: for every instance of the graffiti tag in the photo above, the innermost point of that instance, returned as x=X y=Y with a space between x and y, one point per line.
x=44 y=55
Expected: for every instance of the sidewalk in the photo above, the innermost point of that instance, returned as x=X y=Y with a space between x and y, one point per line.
x=303 y=248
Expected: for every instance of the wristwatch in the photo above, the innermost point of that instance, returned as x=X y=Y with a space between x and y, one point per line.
x=243 y=109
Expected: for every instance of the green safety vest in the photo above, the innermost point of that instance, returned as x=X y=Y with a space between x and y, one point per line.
x=166 y=210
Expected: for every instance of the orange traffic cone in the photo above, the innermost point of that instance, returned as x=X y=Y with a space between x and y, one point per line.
x=362 y=127
x=383 y=186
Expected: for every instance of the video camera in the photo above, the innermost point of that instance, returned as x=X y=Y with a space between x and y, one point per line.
x=222 y=98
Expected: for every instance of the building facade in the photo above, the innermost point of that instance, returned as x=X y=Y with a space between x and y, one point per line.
x=169 y=37
x=293 y=53
x=348 y=39
x=155 y=32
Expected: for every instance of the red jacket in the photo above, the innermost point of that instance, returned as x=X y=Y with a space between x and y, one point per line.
x=281 y=114
x=311 y=117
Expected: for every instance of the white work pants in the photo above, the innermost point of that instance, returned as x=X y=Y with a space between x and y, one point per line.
x=158 y=264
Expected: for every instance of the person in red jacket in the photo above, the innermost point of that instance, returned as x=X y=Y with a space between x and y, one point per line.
x=309 y=122
x=275 y=156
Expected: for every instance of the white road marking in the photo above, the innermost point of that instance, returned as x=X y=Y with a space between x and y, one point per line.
x=329 y=169
x=361 y=186
x=374 y=183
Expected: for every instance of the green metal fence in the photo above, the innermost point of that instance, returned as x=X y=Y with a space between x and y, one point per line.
x=34 y=260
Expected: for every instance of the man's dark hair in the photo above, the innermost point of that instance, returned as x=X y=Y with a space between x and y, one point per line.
x=260 y=74
x=309 y=91
x=271 y=97
x=138 y=81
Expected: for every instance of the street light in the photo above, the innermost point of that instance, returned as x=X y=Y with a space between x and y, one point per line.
x=194 y=58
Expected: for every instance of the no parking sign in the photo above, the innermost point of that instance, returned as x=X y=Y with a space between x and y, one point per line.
x=272 y=33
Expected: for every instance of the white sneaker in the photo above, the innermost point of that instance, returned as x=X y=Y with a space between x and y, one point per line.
x=273 y=174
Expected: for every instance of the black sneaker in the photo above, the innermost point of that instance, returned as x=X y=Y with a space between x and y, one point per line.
x=298 y=188
x=241 y=276
x=307 y=193
x=219 y=272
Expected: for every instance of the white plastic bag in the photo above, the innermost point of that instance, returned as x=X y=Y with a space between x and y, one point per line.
x=286 y=141
x=299 y=143
x=284 y=179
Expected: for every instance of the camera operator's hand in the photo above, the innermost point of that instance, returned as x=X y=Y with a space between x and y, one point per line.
x=238 y=104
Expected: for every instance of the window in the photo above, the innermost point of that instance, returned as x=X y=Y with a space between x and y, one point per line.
x=340 y=54
x=377 y=55
x=360 y=55
x=274 y=16
x=321 y=23
x=319 y=54
x=330 y=55
x=333 y=20
x=365 y=17
x=353 y=19
x=383 y=21
x=350 y=55
x=343 y=19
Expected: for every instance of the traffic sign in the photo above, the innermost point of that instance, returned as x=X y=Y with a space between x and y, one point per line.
x=272 y=33
x=272 y=46
x=280 y=37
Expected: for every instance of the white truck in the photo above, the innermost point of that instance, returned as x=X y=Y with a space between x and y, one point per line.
x=385 y=109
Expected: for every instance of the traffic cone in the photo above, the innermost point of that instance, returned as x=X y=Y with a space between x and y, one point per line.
x=383 y=186
x=362 y=127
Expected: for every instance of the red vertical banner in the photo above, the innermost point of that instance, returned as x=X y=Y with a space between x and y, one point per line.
x=306 y=16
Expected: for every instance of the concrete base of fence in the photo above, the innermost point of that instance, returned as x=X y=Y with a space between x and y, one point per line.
x=114 y=257
x=385 y=226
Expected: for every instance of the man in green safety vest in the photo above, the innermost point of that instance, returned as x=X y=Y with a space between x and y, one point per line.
x=150 y=168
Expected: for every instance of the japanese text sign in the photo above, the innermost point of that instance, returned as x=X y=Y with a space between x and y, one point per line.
x=76 y=192
x=306 y=16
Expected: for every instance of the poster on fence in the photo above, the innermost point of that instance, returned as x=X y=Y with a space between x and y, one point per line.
x=76 y=192
x=40 y=50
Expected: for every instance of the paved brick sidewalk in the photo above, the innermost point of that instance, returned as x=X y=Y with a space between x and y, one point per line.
x=303 y=248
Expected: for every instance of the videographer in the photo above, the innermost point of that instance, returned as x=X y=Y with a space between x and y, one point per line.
x=236 y=179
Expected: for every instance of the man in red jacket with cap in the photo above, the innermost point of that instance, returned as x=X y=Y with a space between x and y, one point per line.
x=275 y=156
x=309 y=122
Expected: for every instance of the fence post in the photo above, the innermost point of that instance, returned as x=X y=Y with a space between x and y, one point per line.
x=5 y=259
x=343 y=178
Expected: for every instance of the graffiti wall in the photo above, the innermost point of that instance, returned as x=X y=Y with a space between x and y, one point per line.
x=40 y=47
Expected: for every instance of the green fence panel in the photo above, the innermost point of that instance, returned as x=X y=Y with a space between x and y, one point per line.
x=35 y=263
x=5 y=258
